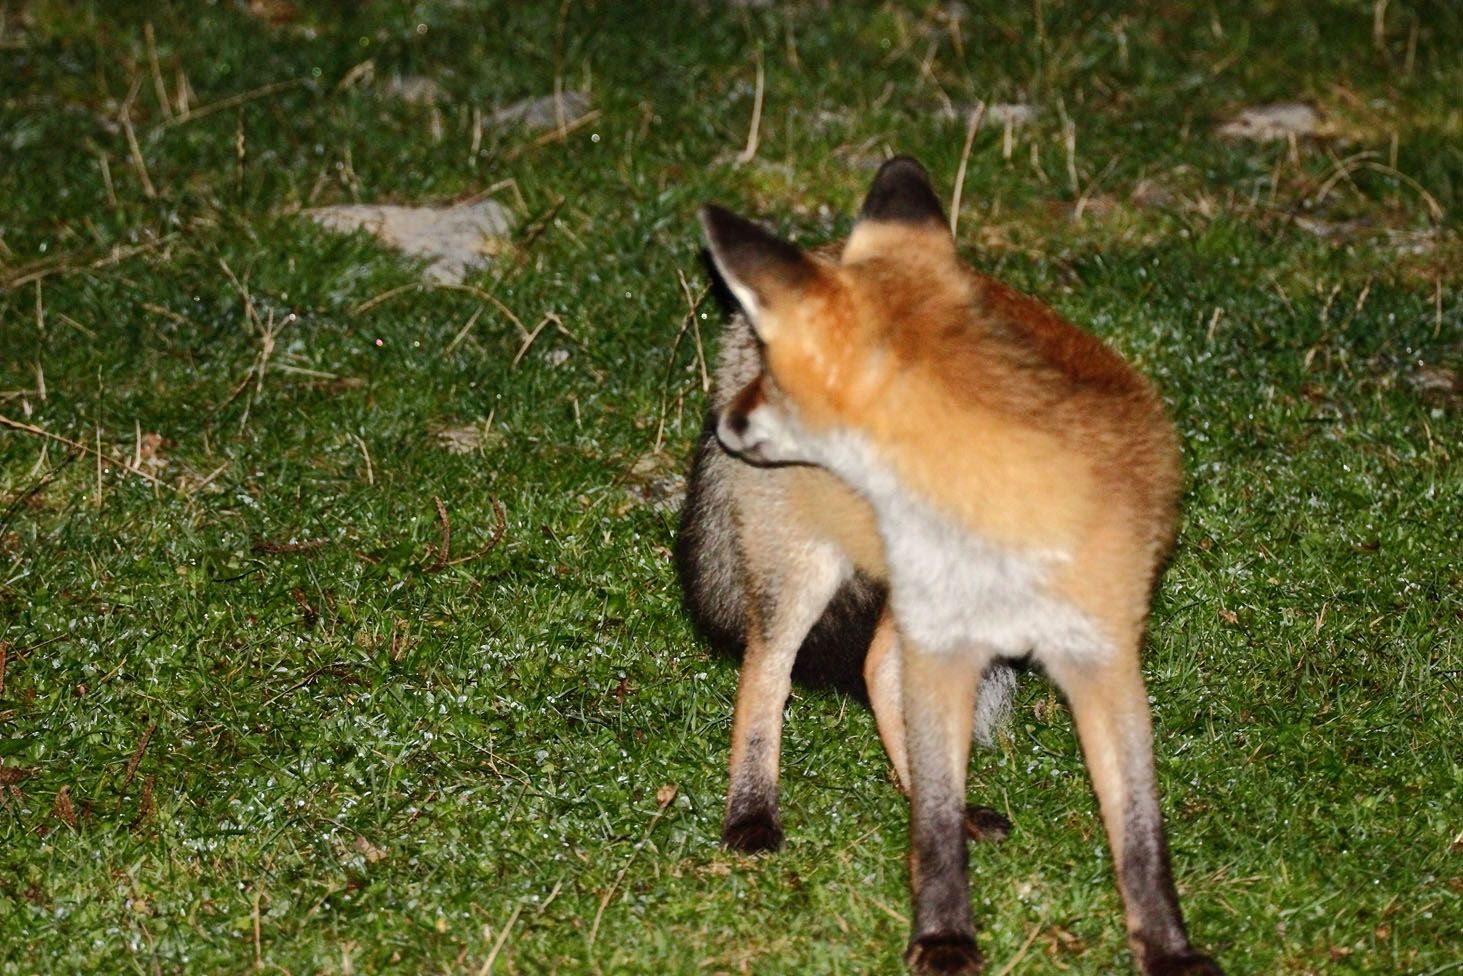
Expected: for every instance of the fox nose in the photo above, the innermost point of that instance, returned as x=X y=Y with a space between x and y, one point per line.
x=734 y=430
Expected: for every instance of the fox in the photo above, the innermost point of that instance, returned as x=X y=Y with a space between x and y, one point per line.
x=908 y=451
x=782 y=564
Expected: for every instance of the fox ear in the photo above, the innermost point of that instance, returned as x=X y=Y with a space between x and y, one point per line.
x=902 y=194
x=759 y=268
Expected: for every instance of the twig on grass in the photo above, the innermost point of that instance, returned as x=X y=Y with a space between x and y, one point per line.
x=554 y=135
x=76 y=445
x=492 y=543
x=137 y=754
x=443 y=557
x=145 y=804
x=445 y=549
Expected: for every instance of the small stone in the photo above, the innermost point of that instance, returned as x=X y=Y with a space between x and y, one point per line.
x=415 y=90
x=454 y=239
x=1014 y=114
x=1276 y=121
x=544 y=112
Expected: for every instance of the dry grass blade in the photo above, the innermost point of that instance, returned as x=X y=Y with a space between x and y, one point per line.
x=492 y=543
x=693 y=304
x=499 y=941
x=77 y=446
x=605 y=901
x=1015 y=960
x=754 y=131
x=444 y=550
x=124 y=116
x=263 y=91
x=528 y=340
x=972 y=126
x=266 y=547
x=160 y=89
x=554 y=135
x=63 y=264
x=1365 y=160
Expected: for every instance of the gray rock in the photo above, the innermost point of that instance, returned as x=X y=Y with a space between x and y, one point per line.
x=454 y=239
x=544 y=112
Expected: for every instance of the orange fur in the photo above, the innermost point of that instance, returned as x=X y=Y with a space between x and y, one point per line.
x=1029 y=432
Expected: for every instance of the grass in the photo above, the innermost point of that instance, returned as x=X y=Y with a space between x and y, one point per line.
x=246 y=720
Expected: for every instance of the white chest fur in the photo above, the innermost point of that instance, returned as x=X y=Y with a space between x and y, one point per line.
x=951 y=591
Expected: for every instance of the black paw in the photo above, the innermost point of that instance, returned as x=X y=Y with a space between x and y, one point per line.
x=756 y=833
x=944 y=955
x=983 y=823
x=1184 y=964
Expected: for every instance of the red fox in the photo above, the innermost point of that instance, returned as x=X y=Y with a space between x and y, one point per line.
x=784 y=564
x=1013 y=481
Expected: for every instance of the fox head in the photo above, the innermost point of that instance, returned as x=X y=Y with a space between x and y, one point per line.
x=830 y=329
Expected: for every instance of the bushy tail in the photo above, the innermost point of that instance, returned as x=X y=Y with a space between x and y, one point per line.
x=993 y=707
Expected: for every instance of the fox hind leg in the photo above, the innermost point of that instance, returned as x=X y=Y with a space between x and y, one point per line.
x=1110 y=707
x=939 y=692
x=781 y=616
x=883 y=681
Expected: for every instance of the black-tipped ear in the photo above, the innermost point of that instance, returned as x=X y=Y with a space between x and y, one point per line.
x=756 y=265
x=902 y=193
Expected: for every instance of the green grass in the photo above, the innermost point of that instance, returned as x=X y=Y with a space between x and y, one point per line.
x=242 y=725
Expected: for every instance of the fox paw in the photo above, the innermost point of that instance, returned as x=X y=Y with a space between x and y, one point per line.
x=1184 y=964
x=944 y=955
x=983 y=823
x=754 y=833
